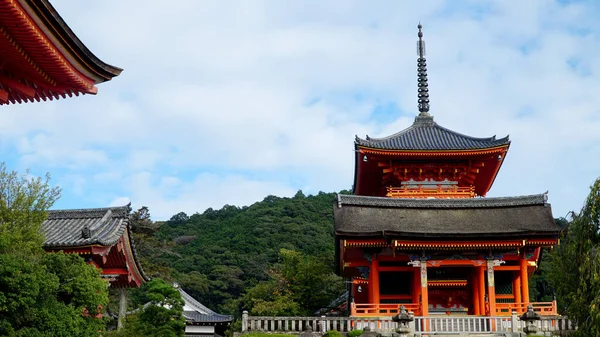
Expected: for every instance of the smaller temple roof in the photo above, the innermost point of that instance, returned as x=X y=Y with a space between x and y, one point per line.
x=79 y=227
x=522 y=216
x=425 y=134
x=195 y=312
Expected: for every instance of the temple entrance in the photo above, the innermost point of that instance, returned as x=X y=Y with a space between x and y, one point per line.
x=449 y=290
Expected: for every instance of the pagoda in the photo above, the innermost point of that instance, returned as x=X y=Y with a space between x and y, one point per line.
x=418 y=231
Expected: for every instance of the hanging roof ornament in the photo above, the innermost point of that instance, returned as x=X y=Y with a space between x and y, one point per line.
x=423 y=86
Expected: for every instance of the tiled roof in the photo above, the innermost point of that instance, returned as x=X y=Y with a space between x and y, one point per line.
x=425 y=134
x=438 y=218
x=524 y=200
x=79 y=227
x=195 y=312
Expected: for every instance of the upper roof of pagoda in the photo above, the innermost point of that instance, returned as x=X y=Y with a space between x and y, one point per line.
x=41 y=56
x=101 y=233
x=426 y=135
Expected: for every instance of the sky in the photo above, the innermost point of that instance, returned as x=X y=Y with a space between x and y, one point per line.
x=227 y=102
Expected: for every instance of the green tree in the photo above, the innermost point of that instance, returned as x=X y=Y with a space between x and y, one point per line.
x=575 y=267
x=159 y=312
x=42 y=294
x=299 y=284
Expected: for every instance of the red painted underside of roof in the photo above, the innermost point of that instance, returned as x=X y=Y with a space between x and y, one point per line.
x=115 y=262
x=31 y=67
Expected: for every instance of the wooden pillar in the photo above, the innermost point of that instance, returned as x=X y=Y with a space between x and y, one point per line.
x=517 y=286
x=524 y=280
x=416 y=285
x=475 y=282
x=374 y=280
x=424 y=292
x=481 y=280
x=491 y=287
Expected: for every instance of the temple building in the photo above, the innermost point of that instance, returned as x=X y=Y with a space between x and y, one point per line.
x=41 y=57
x=419 y=232
x=102 y=236
x=200 y=320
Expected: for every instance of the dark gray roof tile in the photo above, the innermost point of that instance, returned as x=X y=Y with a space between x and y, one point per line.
x=78 y=227
x=196 y=312
x=425 y=134
x=443 y=218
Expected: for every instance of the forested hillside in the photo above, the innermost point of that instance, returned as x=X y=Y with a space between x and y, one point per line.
x=219 y=255
x=273 y=257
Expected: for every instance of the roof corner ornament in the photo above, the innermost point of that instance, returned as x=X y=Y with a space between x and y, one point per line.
x=86 y=232
x=423 y=86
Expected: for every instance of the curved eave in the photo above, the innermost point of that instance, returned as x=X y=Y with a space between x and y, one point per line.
x=432 y=153
x=50 y=19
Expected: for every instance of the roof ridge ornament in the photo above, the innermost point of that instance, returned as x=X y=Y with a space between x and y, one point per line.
x=423 y=86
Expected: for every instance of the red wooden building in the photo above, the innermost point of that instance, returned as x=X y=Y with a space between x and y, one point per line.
x=102 y=236
x=41 y=58
x=418 y=231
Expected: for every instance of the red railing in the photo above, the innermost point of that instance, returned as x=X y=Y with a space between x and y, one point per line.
x=434 y=191
x=542 y=308
x=381 y=309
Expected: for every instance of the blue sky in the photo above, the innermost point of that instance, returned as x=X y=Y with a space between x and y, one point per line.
x=226 y=102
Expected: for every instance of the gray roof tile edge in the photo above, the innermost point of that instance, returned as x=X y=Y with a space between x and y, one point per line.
x=358 y=200
x=117 y=212
x=200 y=308
x=138 y=264
x=374 y=142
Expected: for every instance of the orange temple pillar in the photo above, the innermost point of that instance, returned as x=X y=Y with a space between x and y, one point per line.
x=491 y=287
x=374 y=281
x=517 y=287
x=481 y=281
x=524 y=279
x=475 y=282
x=416 y=286
x=424 y=291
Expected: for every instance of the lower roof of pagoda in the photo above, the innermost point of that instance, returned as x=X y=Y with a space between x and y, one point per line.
x=507 y=217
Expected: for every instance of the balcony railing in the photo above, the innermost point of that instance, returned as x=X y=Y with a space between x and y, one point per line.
x=502 y=309
x=437 y=324
x=382 y=309
x=431 y=191
x=542 y=308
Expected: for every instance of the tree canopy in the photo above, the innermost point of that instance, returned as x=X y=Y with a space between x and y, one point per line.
x=42 y=294
x=575 y=267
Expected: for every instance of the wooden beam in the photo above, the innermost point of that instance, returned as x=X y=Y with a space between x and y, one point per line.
x=18 y=86
x=3 y=96
x=513 y=268
x=114 y=271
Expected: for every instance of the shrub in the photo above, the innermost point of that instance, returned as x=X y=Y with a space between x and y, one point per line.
x=333 y=333
x=355 y=333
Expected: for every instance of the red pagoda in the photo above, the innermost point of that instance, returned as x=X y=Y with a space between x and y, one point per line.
x=418 y=232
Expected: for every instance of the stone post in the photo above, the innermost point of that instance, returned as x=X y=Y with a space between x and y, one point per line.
x=368 y=333
x=122 y=308
x=403 y=319
x=308 y=332
x=514 y=323
x=245 y=321
x=323 y=324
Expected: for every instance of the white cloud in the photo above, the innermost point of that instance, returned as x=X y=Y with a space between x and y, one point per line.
x=265 y=93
